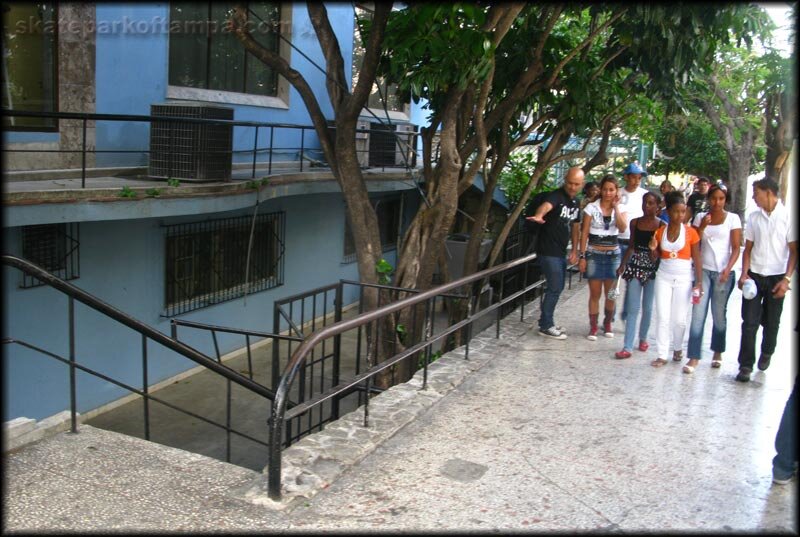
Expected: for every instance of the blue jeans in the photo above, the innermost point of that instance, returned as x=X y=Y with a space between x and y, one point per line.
x=638 y=297
x=554 y=270
x=715 y=294
x=783 y=464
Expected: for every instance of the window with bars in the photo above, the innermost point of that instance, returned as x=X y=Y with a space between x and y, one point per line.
x=207 y=262
x=54 y=247
x=388 y=211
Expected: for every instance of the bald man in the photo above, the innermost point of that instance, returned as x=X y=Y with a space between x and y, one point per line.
x=559 y=215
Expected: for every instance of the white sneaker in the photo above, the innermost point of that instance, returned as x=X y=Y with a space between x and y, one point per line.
x=553 y=332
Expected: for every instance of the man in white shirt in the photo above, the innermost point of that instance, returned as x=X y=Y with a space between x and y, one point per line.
x=769 y=259
x=631 y=197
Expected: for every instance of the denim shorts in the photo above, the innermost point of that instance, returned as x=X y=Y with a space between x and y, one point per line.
x=602 y=265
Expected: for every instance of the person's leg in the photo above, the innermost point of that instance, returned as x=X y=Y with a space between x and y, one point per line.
x=785 y=461
x=681 y=302
x=663 y=300
x=554 y=276
x=751 y=319
x=595 y=290
x=633 y=300
x=623 y=288
x=608 y=308
x=771 y=319
x=699 y=314
x=648 y=296
x=719 y=313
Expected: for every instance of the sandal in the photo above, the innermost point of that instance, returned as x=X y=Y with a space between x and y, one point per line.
x=623 y=354
x=716 y=364
x=658 y=362
x=643 y=346
x=688 y=369
x=677 y=356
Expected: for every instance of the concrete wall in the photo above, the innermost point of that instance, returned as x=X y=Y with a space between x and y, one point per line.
x=122 y=263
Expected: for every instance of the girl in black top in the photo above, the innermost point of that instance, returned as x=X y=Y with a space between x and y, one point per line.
x=638 y=268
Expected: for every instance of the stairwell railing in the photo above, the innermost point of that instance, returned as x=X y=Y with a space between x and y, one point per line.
x=281 y=414
x=148 y=333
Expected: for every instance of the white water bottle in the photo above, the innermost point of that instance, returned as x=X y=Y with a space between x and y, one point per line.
x=749 y=289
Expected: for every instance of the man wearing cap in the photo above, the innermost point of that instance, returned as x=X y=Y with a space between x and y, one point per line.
x=631 y=196
x=769 y=259
x=698 y=200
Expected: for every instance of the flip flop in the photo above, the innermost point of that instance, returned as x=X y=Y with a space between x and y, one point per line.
x=658 y=362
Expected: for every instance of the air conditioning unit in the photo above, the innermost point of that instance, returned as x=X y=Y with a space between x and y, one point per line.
x=406 y=154
x=362 y=143
x=191 y=151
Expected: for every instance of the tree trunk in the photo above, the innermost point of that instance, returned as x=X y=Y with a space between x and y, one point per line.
x=738 y=172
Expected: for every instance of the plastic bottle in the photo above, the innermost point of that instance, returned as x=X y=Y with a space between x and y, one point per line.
x=696 y=296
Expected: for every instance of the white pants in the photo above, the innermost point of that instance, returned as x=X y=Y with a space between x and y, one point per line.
x=673 y=298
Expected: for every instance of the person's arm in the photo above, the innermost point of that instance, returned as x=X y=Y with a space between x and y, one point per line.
x=584 y=240
x=780 y=288
x=700 y=224
x=653 y=244
x=628 y=251
x=542 y=210
x=735 y=248
x=575 y=227
x=620 y=216
x=748 y=247
x=698 y=266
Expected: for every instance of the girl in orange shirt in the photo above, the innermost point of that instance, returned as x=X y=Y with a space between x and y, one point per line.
x=678 y=247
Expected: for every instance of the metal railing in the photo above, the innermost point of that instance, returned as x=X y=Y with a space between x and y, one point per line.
x=148 y=333
x=405 y=143
x=281 y=415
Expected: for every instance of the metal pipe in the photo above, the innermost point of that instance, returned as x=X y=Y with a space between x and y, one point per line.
x=145 y=384
x=83 y=157
x=255 y=153
x=72 y=388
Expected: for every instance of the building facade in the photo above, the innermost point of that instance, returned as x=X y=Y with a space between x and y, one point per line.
x=83 y=198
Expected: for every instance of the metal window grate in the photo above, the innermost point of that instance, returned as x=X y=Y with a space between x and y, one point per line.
x=206 y=262
x=54 y=247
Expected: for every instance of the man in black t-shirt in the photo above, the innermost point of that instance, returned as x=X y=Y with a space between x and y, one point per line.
x=559 y=215
x=698 y=201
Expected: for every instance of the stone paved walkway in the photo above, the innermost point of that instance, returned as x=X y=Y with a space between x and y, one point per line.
x=544 y=435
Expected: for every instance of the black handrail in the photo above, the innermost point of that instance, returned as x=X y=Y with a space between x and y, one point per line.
x=299 y=356
x=144 y=329
x=401 y=138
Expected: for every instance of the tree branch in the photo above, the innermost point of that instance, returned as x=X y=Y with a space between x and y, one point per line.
x=282 y=67
x=335 y=81
x=372 y=55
